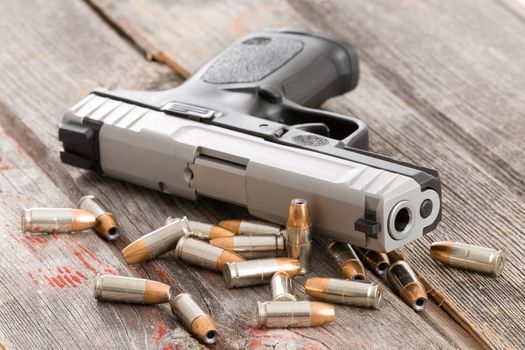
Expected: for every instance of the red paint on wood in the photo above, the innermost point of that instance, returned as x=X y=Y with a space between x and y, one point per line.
x=161 y=332
x=58 y=282
x=59 y=269
x=5 y=167
x=163 y=277
x=85 y=262
x=88 y=252
x=75 y=278
x=67 y=269
x=70 y=281
x=49 y=280
x=35 y=281
x=82 y=275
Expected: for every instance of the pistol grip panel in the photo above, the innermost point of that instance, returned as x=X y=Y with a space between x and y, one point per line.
x=304 y=67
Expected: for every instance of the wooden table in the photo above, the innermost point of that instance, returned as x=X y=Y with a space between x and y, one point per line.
x=441 y=85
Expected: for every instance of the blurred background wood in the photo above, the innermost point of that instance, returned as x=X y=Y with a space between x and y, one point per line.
x=440 y=86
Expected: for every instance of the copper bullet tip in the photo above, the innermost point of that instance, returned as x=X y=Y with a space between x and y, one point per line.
x=223 y=242
x=219 y=232
x=136 y=252
x=321 y=313
x=299 y=214
x=415 y=295
x=227 y=257
x=205 y=329
x=353 y=270
x=231 y=225
x=316 y=287
x=291 y=266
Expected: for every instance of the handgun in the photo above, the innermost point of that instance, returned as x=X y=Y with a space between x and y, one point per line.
x=245 y=129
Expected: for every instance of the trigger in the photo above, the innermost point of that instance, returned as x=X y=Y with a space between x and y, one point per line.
x=315 y=128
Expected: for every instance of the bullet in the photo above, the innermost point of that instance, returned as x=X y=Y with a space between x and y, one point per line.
x=56 y=220
x=375 y=261
x=191 y=315
x=350 y=265
x=282 y=287
x=203 y=254
x=255 y=272
x=469 y=257
x=345 y=292
x=406 y=284
x=284 y=314
x=299 y=233
x=156 y=242
x=251 y=227
x=253 y=247
x=206 y=231
x=106 y=225
x=130 y=290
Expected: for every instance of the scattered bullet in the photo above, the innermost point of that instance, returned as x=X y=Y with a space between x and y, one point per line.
x=203 y=254
x=350 y=265
x=282 y=287
x=299 y=233
x=252 y=247
x=56 y=220
x=251 y=227
x=191 y=315
x=254 y=272
x=375 y=261
x=156 y=242
x=345 y=292
x=284 y=314
x=105 y=225
x=130 y=290
x=469 y=257
x=406 y=284
x=207 y=232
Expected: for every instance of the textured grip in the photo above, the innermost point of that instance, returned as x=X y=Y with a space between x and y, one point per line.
x=251 y=60
x=304 y=67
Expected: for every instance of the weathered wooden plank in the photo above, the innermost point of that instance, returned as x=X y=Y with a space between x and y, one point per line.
x=431 y=79
x=33 y=119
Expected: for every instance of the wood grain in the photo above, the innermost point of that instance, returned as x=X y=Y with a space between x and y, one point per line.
x=440 y=87
x=43 y=76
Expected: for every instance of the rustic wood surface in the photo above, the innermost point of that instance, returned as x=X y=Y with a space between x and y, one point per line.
x=440 y=86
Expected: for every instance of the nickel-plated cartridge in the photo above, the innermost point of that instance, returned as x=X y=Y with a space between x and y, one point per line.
x=105 y=225
x=406 y=284
x=56 y=220
x=299 y=233
x=130 y=290
x=253 y=247
x=350 y=265
x=203 y=254
x=283 y=314
x=375 y=261
x=251 y=227
x=469 y=257
x=207 y=231
x=282 y=287
x=191 y=315
x=345 y=292
x=254 y=272
x=156 y=242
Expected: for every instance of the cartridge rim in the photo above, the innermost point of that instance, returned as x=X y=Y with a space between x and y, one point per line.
x=25 y=218
x=84 y=198
x=227 y=274
x=180 y=245
x=499 y=263
x=97 y=290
